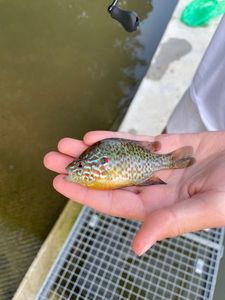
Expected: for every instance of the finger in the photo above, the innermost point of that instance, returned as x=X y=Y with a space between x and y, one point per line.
x=57 y=162
x=133 y=189
x=94 y=136
x=118 y=203
x=158 y=196
x=187 y=216
x=71 y=147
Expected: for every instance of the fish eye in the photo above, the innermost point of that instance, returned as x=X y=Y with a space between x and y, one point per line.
x=80 y=165
x=104 y=160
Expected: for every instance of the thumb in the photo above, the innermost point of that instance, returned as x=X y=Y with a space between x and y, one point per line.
x=157 y=226
x=193 y=214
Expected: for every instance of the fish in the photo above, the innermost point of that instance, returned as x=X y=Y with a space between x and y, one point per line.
x=115 y=163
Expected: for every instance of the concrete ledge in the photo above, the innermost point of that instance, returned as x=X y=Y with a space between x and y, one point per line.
x=41 y=265
x=171 y=71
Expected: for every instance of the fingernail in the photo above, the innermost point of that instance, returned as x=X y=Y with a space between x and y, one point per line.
x=145 y=249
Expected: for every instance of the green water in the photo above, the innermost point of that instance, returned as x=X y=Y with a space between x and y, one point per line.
x=66 y=67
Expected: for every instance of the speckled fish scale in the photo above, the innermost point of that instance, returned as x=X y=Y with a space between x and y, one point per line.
x=115 y=163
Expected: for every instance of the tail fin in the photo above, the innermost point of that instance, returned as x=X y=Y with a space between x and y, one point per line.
x=182 y=158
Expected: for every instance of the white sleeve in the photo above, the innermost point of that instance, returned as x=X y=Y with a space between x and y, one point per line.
x=208 y=85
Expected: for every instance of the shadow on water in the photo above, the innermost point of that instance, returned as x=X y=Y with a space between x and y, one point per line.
x=66 y=68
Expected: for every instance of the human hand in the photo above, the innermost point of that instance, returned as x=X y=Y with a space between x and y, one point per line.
x=193 y=198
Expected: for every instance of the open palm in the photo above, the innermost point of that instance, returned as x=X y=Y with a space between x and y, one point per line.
x=193 y=199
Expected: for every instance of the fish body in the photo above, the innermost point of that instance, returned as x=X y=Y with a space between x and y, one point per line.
x=116 y=163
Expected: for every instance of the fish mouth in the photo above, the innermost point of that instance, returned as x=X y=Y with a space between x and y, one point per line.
x=69 y=176
x=68 y=169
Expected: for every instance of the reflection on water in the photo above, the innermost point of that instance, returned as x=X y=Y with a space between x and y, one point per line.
x=66 y=67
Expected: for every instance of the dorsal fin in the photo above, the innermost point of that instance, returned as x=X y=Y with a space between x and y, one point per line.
x=150 y=146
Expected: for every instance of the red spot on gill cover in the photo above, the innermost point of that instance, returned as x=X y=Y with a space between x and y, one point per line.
x=106 y=160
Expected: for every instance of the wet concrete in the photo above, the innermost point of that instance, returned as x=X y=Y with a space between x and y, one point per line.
x=172 y=50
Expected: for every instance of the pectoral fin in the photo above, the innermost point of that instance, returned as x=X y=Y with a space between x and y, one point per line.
x=152 y=181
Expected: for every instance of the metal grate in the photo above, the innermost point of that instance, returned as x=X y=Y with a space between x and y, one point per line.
x=96 y=262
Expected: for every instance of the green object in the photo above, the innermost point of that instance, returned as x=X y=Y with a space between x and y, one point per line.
x=199 y=12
